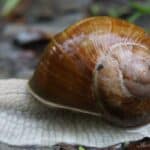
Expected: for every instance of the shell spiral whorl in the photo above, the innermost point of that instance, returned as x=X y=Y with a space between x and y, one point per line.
x=122 y=85
x=99 y=65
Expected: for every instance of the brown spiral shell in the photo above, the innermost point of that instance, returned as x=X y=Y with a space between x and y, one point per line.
x=101 y=66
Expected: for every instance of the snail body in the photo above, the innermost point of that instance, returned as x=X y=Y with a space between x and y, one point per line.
x=100 y=66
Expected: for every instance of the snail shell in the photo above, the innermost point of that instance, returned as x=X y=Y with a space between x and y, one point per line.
x=100 y=66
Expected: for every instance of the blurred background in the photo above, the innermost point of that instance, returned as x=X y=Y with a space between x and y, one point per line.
x=25 y=26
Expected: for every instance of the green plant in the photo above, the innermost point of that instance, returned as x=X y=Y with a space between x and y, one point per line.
x=8 y=6
x=81 y=148
x=139 y=10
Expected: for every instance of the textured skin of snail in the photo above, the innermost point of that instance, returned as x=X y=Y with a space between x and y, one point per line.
x=100 y=65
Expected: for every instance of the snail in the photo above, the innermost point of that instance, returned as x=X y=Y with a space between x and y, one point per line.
x=100 y=66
